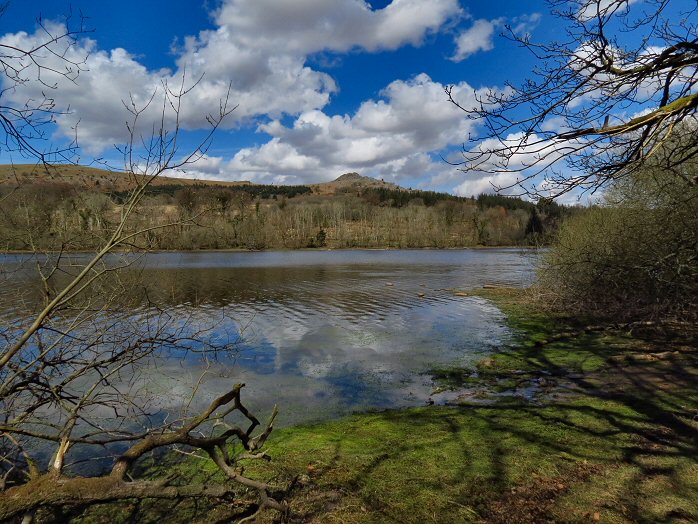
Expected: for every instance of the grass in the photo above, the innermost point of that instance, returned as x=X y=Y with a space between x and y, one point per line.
x=612 y=438
x=433 y=464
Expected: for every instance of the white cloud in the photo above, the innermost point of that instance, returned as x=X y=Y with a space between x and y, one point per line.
x=259 y=49
x=206 y=165
x=591 y=9
x=477 y=38
x=308 y=26
x=602 y=90
x=510 y=166
x=475 y=184
x=389 y=138
x=524 y=24
x=280 y=84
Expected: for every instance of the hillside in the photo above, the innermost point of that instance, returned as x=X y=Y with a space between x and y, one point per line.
x=89 y=177
x=73 y=207
x=350 y=182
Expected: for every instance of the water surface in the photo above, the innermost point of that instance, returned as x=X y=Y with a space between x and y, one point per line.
x=320 y=333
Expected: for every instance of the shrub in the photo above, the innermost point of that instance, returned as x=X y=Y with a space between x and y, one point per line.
x=633 y=257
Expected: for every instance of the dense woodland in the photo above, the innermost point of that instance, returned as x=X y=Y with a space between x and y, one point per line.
x=51 y=216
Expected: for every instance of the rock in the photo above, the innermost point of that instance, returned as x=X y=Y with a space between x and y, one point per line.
x=349 y=177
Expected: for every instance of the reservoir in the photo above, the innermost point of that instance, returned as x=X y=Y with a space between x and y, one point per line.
x=321 y=334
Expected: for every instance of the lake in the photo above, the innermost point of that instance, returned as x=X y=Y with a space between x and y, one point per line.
x=320 y=333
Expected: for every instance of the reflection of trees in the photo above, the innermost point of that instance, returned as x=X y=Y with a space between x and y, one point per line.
x=336 y=290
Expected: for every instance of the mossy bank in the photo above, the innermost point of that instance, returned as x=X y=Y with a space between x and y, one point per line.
x=573 y=423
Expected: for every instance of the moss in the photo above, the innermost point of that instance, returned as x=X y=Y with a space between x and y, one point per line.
x=611 y=438
x=444 y=464
x=448 y=464
x=542 y=342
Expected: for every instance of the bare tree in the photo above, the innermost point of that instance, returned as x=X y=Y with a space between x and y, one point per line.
x=74 y=362
x=600 y=102
x=24 y=127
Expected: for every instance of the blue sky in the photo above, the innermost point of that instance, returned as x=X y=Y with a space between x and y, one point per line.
x=323 y=87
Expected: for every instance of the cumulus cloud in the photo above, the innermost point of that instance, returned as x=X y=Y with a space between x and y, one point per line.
x=391 y=137
x=592 y=9
x=476 y=184
x=257 y=54
x=524 y=24
x=479 y=36
x=521 y=168
x=273 y=85
x=95 y=98
x=308 y=26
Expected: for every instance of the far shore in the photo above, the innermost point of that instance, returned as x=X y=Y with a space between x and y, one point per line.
x=244 y=250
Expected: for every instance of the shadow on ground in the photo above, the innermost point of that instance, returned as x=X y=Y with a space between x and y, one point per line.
x=593 y=425
x=570 y=424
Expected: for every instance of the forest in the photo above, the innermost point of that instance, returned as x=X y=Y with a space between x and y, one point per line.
x=50 y=215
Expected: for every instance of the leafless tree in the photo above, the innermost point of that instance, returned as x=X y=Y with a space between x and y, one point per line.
x=25 y=127
x=600 y=102
x=75 y=361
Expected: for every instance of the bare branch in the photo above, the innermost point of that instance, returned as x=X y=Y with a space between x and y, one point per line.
x=569 y=123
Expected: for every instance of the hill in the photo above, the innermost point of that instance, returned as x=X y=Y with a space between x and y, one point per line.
x=90 y=177
x=349 y=182
x=73 y=207
x=87 y=177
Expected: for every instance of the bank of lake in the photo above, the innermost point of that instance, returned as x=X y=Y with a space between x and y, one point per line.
x=572 y=422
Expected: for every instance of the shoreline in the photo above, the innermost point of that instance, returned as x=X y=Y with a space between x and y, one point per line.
x=549 y=429
x=567 y=423
x=243 y=250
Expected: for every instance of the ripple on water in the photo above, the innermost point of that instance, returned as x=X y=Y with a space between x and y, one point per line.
x=326 y=333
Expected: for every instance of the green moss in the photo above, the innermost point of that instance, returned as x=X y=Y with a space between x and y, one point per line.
x=591 y=447
x=448 y=464
x=611 y=436
x=543 y=342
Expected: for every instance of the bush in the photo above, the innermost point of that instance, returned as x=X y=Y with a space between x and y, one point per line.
x=634 y=257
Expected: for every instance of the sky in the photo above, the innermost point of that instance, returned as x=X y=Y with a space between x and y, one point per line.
x=322 y=87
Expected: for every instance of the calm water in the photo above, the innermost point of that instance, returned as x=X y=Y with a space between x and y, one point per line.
x=320 y=333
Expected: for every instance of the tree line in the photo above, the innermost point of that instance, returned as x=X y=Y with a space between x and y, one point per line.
x=258 y=190
x=50 y=216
